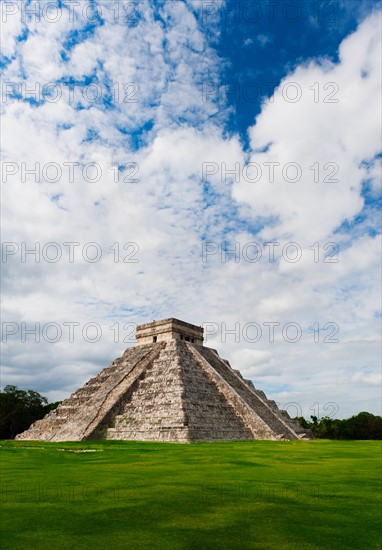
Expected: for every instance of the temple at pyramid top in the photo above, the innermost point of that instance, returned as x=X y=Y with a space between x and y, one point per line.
x=169 y=329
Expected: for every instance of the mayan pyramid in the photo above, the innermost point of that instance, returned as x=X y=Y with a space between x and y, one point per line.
x=169 y=387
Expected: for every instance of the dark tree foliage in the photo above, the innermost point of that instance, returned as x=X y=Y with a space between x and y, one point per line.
x=19 y=409
x=364 y=425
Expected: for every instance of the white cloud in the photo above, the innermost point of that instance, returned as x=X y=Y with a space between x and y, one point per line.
x=263 y=39
x=312 y=131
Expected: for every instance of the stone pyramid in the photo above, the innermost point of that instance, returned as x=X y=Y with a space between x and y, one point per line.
x=169 y=387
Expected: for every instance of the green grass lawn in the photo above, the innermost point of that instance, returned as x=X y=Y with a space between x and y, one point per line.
x=260 y=494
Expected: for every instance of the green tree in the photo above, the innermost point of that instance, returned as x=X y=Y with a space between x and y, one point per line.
x=364 y=425
x=19 y=409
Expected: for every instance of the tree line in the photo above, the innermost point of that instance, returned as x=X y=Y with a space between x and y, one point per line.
x=364 y=425
x=19 y=409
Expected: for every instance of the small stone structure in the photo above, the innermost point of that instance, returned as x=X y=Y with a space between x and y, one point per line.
x=169 y=329
x=169 y=387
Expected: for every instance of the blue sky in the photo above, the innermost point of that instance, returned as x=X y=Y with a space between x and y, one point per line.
x=165 y=134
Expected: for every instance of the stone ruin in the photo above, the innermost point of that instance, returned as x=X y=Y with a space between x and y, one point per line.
x=169 y=387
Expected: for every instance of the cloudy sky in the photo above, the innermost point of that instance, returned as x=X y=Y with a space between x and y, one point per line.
x=218 y=162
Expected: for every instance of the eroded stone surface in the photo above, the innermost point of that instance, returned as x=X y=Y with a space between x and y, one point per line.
x=167 y=388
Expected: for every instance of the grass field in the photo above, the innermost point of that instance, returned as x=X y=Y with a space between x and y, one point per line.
x=260 y=494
